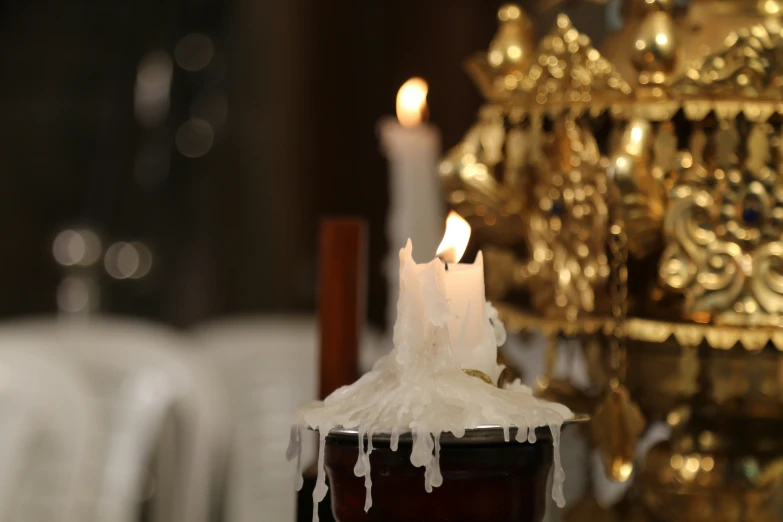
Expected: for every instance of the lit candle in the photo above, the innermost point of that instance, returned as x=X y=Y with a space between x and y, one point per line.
x=416 y=207
x=471 y=336
x=420 y=387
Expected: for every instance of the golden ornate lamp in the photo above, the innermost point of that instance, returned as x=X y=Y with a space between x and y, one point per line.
x=632 y=196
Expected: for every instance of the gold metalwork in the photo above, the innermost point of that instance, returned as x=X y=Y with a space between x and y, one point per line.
x=681 y=111
x=517 y=321
x=656 y=332
x=699 y=30
x=566 y=228
x=565 y=70
x=655 y=48
x=617 y=426
x=719 y=203
x=480 y=375
x=618 y=247
x=637 y=169
x=746 y=66
x=512 y=48
x=618 y=421
x=723 y=242
x=566 y=231
x=508 y=162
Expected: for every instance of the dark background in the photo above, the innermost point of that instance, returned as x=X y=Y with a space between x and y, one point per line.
x=234 y=230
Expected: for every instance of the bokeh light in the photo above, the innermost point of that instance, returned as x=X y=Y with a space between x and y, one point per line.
x=194 y=52
x=128 y=260
x=76 y=247
x=194 y=138
x=76 y=295
x=153 y=88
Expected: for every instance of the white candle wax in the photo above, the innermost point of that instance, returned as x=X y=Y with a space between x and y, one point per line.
x=420 y=388
x=471 y=336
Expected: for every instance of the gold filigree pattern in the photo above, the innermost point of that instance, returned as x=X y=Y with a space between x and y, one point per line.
x=470 y=173
x=639 y=164
x=695 y=159
x=724 y=250
x=687 y=107
x=749 y=66
x=569 y=69
x=617 y=425
x=719 y=337
x=565 y=70
x=565 y=230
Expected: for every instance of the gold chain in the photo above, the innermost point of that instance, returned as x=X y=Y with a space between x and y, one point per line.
x=618 y=291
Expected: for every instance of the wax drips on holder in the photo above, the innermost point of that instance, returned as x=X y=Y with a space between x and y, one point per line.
x=419 y=389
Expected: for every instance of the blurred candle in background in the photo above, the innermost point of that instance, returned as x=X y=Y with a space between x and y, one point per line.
x=416 y=206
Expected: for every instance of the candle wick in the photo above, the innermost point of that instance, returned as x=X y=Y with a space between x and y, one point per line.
x=447 y=266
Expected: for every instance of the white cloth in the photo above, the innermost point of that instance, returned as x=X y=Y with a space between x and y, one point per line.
x=268 y=367
x=47 y=425
x=144 y=383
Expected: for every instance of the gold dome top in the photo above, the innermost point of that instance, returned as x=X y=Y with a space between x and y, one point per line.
x=512 y=47
x=655 y=46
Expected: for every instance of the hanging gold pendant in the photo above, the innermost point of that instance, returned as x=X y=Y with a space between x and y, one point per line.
x=617 y=425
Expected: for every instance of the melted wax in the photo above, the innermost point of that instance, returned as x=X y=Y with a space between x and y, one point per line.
x=420 y=388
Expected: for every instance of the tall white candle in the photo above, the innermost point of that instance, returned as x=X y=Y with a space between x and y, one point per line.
x=416 y=206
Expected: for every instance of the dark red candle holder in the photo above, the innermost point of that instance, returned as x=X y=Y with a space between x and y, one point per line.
x=485 y=479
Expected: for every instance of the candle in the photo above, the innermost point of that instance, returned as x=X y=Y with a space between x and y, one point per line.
x=421 y=387
x=416 y=206
x=471 y=336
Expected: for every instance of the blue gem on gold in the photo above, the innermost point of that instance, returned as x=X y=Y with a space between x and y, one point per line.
x=751 y=215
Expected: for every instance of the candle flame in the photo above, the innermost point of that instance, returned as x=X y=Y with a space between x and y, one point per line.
x=455 y=240
x=412 y=102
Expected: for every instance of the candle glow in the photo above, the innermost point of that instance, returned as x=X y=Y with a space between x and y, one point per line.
x=455 y=239
x=412 y=102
